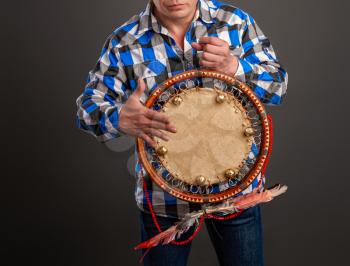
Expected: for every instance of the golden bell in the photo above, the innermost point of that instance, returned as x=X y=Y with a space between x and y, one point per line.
x=220 y=98
x=201 y=180
x=177 y=100
x=161 y=151
x=230 y=173
x=249 y=132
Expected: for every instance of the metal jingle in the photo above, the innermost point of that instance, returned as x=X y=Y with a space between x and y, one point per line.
x=161 y=151
x=201 y=189
x=230 y=173
x=176 y=183
x=184 y=186
x=248 y=132
x=232 y=182
x=177 y=100
x=194 y=191
x=201 y=180
x=209 y=189
x=220 y=98
x=168 y=177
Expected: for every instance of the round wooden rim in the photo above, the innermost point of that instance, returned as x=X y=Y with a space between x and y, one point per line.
x=253 y=173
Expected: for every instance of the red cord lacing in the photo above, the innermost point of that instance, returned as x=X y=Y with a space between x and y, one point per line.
x=208 y=216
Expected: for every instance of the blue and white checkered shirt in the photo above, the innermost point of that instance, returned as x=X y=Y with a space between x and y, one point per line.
x=142 y=47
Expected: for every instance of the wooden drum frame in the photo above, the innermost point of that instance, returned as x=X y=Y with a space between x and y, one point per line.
x=246 y=180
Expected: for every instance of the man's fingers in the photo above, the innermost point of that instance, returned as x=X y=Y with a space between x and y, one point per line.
x=159 y=125
x=213 y=49
x=211 y=57
x=197 y=46
x=210 y=64
x=212 y=40
x=148 y=139
x=157 y=133
x=141 y=86
x=154 y=115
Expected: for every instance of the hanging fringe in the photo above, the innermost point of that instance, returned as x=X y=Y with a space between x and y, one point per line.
x=233 y=206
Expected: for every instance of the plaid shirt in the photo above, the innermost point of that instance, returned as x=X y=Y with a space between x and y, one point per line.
x=143 y=48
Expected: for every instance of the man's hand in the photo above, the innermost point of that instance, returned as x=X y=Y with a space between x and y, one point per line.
x=138 y=121
x=216 y=55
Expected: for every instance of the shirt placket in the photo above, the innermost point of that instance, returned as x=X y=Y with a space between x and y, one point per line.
x=179 y=52
x=186 y=55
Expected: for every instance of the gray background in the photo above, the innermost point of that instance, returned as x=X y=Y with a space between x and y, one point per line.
x=68 y=200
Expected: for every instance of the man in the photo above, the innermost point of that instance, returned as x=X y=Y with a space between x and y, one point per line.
x=169 y=37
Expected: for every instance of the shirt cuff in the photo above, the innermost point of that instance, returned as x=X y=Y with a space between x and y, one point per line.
x=121 y=133
x=240 y=71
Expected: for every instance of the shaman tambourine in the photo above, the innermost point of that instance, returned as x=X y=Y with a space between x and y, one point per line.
x=222 y=138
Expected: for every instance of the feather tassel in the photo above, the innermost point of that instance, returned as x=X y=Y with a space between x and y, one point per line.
x=229 y=207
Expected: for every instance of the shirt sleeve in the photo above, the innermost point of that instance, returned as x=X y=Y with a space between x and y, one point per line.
x=259 y=67
x=104 y=95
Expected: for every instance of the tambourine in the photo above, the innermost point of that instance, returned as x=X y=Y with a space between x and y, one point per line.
x=222 y=139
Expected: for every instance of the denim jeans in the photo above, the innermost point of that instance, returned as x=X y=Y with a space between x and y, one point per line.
x=237 y=242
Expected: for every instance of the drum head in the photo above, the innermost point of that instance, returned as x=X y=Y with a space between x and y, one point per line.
x=210 y=140
x=221 y=141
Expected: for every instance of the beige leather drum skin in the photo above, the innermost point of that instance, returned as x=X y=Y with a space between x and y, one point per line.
x=211 y=136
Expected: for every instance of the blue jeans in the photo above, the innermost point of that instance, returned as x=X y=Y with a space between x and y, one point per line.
x=237 y=242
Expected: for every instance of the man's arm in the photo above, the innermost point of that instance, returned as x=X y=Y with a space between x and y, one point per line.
x=256 y=65
x=259 y=67
x=104 y=94
x=107 y=107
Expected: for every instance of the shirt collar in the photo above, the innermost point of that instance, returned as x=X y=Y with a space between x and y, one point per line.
x=206 y=11
x=149 y=22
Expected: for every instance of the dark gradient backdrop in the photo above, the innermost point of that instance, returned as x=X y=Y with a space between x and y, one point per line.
x=68 y=200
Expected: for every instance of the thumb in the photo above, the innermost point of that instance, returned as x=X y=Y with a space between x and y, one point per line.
x=141 y=86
